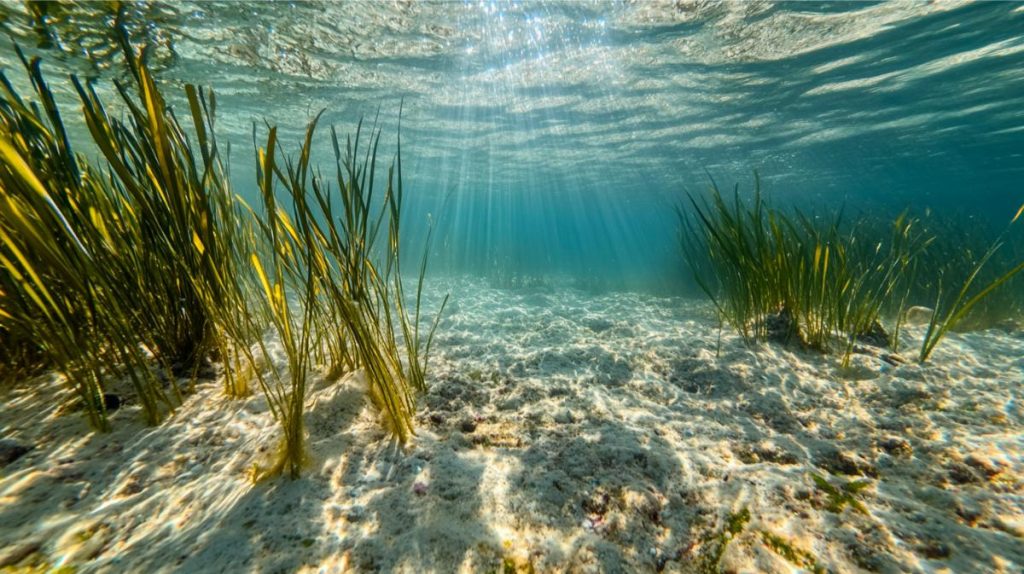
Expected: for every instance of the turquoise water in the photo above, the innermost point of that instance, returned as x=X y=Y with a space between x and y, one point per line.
x=552 y=139
x=581 y=411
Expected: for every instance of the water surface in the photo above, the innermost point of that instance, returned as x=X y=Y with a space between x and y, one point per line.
x=555 y=137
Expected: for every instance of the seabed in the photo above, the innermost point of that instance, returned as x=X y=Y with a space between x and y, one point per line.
x=564 y=431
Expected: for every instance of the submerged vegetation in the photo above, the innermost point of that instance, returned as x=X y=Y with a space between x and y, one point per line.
x=148 y=268
x=829 y=285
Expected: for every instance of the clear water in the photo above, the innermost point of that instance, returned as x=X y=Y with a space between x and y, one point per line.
x=548 y=144
x=554 y=138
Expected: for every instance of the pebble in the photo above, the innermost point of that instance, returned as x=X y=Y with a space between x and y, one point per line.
x=840 y=462
x=960 y=473
x=896 y=446
x=11 y=450
x=982 y=464
x=918 y=315
x=111 y=402
x=935 y=550
x=355 y=514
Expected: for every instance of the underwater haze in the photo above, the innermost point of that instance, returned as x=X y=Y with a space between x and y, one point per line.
x=555 y=138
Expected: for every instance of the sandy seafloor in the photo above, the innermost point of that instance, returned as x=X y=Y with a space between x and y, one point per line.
x=563 y=432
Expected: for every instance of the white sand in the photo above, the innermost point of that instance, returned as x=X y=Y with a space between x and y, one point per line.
x=564 y=432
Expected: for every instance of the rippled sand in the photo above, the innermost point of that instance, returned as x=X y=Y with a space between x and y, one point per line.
x=563 y=431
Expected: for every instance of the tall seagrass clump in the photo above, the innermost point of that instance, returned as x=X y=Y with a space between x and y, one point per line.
x=149 y=267
x=787 y=276
x=103 y=269
x=187 y=226
x=773 y=274
x=61 y=231
x=349 y=287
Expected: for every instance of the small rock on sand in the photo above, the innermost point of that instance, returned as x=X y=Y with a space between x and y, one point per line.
x=896 y=446
x=11 y=450
x=918 y=315
x=841 y=462
x=564 y=417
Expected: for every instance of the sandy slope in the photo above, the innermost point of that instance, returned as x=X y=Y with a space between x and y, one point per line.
x=563 y=432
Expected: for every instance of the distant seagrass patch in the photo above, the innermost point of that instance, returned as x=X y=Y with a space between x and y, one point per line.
x=829 y=283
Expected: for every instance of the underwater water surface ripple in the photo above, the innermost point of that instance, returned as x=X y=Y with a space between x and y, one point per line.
x=578 y=124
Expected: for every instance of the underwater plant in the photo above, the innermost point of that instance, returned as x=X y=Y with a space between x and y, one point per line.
x=64 y=233
x=791 y=277
x=786 y=276
x=291 y=268
x=837 y=498
x=178 y=202
x=151 y=267
x=960 y=243
x=145 y=251
x=349 y=286
x=722 y=243
x=948 y=313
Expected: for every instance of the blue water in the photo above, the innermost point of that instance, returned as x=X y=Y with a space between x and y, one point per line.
x=604 y=421
x=554 y=138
